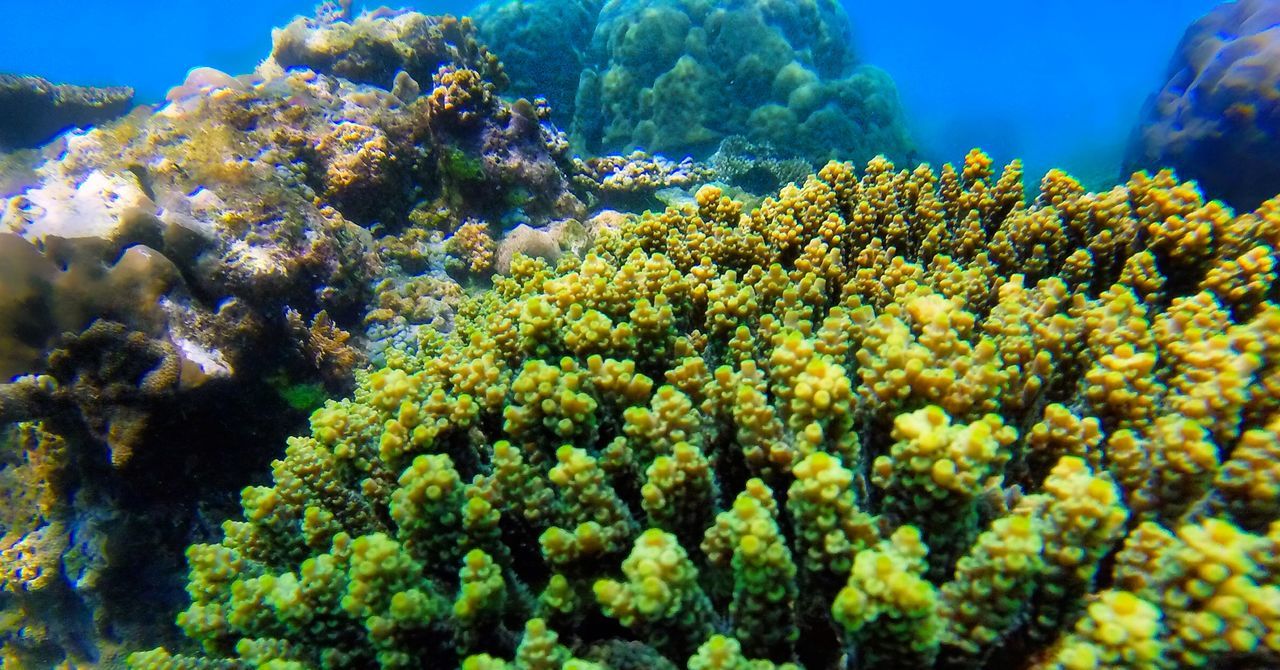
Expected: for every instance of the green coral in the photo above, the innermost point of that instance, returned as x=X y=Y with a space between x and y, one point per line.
x=888 y=606
x=303 y=397
x=728 y=439
x=460 y=168
x=661 y=593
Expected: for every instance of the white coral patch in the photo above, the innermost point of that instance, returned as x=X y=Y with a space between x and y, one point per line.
x=210 y=361
x=90 y=209
x=256 y=260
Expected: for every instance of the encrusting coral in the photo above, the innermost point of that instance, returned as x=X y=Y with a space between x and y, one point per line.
x=906 y=418
x=635 y=178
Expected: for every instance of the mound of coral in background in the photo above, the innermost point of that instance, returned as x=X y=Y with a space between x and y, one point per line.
x=902 y=419
x=543 y=45
x=1216 y=119
x=676 y=77
x=33 y=110
x=183 y=285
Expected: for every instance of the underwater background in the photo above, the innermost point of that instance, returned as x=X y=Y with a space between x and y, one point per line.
x=1055 y=83
x=640 y=334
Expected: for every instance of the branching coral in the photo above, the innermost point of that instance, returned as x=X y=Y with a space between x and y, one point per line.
x=174 y=279
x=473 y=246
x=899 y=419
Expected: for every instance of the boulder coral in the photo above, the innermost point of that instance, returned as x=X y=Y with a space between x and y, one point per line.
x=185 y=281
x=676 y=77
x=528 y=31
x=1216 y=117
x=902 y=418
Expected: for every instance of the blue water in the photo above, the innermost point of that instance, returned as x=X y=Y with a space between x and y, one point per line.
x=1057 y=82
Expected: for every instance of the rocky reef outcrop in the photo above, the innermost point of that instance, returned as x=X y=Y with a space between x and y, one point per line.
x=33 y=110
x=1216 y=118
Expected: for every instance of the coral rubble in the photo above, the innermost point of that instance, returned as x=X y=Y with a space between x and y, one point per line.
x=33 y=110
x=903 y=418
x=1216 y=118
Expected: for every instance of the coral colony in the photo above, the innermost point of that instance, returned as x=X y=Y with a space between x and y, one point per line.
x=1217 y=117
x=620 y=410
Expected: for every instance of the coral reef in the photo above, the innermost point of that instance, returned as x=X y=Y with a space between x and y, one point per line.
x=1216 y=118
x=630 y=182
x=374 y=47
x=527 y=32
x=35 y=536
x=183 y=283
x=676 y=77
x=154 y=226
x=903 y=418
x=202 y=225
x=34 y=110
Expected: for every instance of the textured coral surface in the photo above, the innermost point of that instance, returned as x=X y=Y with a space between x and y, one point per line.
x=886 y=417
x=34 y=110
x=526 y=32
x=902 y=418
x=1216 y=118
x=201 y=225
x=678 y=76
x=183 y=286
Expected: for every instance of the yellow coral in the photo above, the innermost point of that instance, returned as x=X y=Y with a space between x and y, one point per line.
x=1119 y=631
x=867 y=342
x=889 y=605
x=661 y=587
x=473 y=244
x=830 y=528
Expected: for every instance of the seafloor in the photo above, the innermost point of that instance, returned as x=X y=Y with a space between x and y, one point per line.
x=631 y=335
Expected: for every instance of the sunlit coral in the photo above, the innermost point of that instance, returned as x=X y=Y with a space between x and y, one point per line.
x=902 y=418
